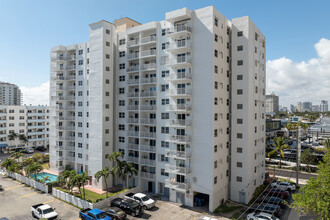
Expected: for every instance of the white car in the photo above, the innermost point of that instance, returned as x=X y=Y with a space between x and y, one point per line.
x=207 y=218
x=261 y=216
x=284 y=185
x=141 y=198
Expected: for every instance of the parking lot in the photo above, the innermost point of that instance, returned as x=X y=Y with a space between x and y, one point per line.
x=16 y=201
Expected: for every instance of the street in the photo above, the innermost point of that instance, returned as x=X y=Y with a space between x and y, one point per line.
x=291 y=173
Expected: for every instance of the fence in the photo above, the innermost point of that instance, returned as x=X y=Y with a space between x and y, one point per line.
x=35 y=184
x=72 y=199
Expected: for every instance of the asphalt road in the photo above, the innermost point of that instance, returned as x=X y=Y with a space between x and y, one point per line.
x=291 y=173
x=16 y=200
x=5 y=156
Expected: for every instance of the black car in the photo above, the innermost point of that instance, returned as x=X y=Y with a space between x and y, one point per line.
x=40 y=148
x=274 y=201
x=267 y=209
x=115 y=213
x=129 y=206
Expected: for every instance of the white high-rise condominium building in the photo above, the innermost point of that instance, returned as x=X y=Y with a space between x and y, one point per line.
x=10 y=94
x=272 y=103
x=183 y=99
x=32 y=121
x=324 y=106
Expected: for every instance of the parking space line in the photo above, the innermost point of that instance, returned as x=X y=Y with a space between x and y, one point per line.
x=28 y=195
x=14 y=187
x=49 y=201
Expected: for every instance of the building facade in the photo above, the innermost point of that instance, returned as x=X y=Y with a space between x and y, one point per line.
x=272 y=103
x=32 y=121
x=10 y=94
x=183 y=99
x=324 y=106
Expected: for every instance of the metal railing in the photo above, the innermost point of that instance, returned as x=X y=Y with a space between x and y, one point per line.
x=148 y=134
x=150 y=66
x=133 y=42
x=148 y=148
x=176 y=169
x=146 y=53
x=173 y=184
x=179 y=122
x=148 y=80
x=148 y=162
x=147 y=175
x=178 y=29
x=148 y=94
x=179 y=138
x=148 y=39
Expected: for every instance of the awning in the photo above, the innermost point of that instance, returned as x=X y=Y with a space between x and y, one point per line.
x=3 y=145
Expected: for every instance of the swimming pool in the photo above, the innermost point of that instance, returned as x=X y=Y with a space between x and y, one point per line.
x=42 y=175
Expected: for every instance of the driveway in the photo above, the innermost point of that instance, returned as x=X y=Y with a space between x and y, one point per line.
x=16 y=201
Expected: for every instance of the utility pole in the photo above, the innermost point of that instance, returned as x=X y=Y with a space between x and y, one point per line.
x=298 y=154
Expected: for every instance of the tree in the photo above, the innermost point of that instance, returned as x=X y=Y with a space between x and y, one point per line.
x=104 y=173
x=115 y=156
x=126 y=170
x=308 y=158
x=23 y=139
x=46 y=178
x=280 y=145
x=16 y=155
x=326 y=143
x=83 y=179
x=7 y=163
x=314 y=197
x=34 y=169
x=12 y=137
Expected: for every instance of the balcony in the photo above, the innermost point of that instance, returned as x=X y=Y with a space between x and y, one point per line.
x=149 y=39
x=67 y=138
x=133 y=68
x=148 y=121
x=181 y=92
x=132 y=146
x=150 y=80
x=68 y=148
x=133 y=133
x=69 y=158
x=178 y=154
x=182 y=77
x=66 y=118
x=132 y=56
x=133 y=43
x=62 y=78
x=147 y=134
x=132 y=107
x=177 y=169
x=66 y=128
x=147 y=162
x=179 y=122
x=173 y=184
x=179 y=62
x=147 y=148
x=148 y=107
x=147 y=53
x=179 y=107
x=133 y=94
x=180 y=30
x=150 y=66
x=179 y=47
x=148 y=94
x=149 y=176
x=133 y=82
x=63 y=58
x=179 y=138
x=133 y=159
x=133 y=120
x=66 y=108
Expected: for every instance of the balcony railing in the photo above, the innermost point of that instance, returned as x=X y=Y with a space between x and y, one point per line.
x=64 y=118
x=147 y=175
x=133 y=159
x=148 y=94
x=133 y=94
x=179 y=138
x=149 y=121
x=179 y=122
x=178 y=29
x=179 y=45
x=147 y=53
x=133 y=56
x=133 y=146
x=69 y=128
x=133 y=133
x=177 y=154
x=173 y=184
x=66 y=108
x=180 y=60
x=148 y=134
x=133 y=68
x=133 y=107
x=133 y=81
x=148 y=162
x=150 y=66
x=147 y=148
x=148 y=107
x=149 y=39
x=133 y=120
x=67 y=138
x=148 y=80
x=133 y=42
x=179 y=107
x=176 y=169
x=179 y=76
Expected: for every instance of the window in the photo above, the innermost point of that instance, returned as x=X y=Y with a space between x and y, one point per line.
x=256 y=89
x=240 y=34
x=80 y=72
x=80 y=83
x=121 y=127
x=215 y=37
x=121 y=139
x=216 y=69
x=239 y=121
x=80 y=145
x=165 y=101
x=79 y=155
x=216 y=53
x=163 y=173
x=164 y=87
x=106 y=131
x=239 y=77
x=107 y=81
x=165 y=130
x=239 y=164
x=107 y=68
x=121 y=102
x=107 y=31
x=256 y=36
x=239 y=135
x=238 y=179
x=215 y=148
x=215 y=100
x=240 y=48
x=121 y=78
x=121 y=53
x=80 y=134
x=239 y=62
x=255 y=49
x=165 y=115
x=80 y=124
x=163 y=32
x=107 y=93
x=121 y=90
x=215 y=180
x=239 y=150
x=107 y=119
x=216 y=117
x=215 y=85
x=165 y=144
x=80 y=52
x=80 y=62
x=122 y=42
x=215 y=164
x=121 y=114
x=239 y=106
x=239 y=91
x=216 y=21
x=107 y=56
x=107 y=43
x=79 y=114
x=163 y=158
x=80 y=93
x=165 y=73
x=122 y=66
x=215 y=132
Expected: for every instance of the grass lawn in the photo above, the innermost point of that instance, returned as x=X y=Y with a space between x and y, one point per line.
x=226 y=209
x=45 y=165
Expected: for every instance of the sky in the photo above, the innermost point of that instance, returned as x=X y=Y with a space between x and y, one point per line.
x=297 y=38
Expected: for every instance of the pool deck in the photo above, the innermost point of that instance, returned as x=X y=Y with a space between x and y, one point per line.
x=51 y=172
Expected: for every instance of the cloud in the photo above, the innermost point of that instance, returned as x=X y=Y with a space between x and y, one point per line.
x=301 y=81
x=36 y=95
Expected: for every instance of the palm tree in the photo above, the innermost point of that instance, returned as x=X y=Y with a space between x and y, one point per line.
x=23 y=139
x=115 y=156
x=291 y=126
x=304 y=126
x=16 y=155
x=16 y=167
x=83 y=178
x=12 y=137
x=279 y=145
x=104 y=173
x=7 y=163
x=34 y=169
x=326 y=143
x=126 y=170
x=46 y=178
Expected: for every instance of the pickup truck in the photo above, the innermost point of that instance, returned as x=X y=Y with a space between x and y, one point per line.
x=142 y=199
x=91 y=214
x=43 y=211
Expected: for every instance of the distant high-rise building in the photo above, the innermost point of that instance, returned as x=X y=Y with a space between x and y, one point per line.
x=299 y=107
x=293 y=108
x=324 y=106
x=10 y=94
x=316 y=108
x=306 y=106
x=272 y=103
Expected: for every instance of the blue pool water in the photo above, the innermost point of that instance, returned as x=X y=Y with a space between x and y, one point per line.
x=42 y=175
